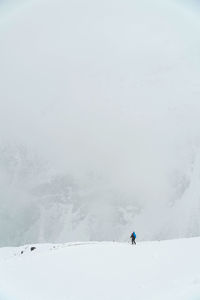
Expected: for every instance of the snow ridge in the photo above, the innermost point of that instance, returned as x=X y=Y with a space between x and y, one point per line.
x=102 y=270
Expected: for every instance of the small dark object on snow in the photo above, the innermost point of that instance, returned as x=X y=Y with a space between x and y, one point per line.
x=22 y=252
x=33 y=248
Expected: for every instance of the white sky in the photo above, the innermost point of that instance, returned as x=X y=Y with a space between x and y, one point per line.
x=110 y=86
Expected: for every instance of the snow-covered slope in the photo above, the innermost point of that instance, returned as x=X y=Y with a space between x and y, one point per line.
x=102 y=270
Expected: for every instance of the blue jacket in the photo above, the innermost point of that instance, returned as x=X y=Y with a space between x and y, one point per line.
x=133 y=235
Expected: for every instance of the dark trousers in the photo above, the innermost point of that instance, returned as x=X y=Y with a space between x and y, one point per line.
x=133 y=241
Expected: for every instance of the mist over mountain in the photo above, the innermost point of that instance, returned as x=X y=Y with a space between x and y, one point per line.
x=99 y=120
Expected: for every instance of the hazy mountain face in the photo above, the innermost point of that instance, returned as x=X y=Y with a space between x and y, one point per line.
x=99 y=120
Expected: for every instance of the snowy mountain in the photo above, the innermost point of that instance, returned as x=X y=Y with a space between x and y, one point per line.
x=102 y=270
x=99 y=120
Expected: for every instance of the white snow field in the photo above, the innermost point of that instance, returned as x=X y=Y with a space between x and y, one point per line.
x=102 y=270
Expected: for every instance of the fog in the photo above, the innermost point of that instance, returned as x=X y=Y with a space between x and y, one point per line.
x=99 y=120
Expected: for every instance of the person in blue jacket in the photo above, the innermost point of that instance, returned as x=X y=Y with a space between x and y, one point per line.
x=133 y=236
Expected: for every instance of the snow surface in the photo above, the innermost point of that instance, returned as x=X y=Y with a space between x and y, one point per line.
x=102 y=270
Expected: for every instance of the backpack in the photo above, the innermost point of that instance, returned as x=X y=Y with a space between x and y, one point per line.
x=134 y=235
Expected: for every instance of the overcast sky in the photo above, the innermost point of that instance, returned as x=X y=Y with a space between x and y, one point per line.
x=110 y=86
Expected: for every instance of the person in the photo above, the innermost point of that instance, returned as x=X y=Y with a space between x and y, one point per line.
x=133 y=236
